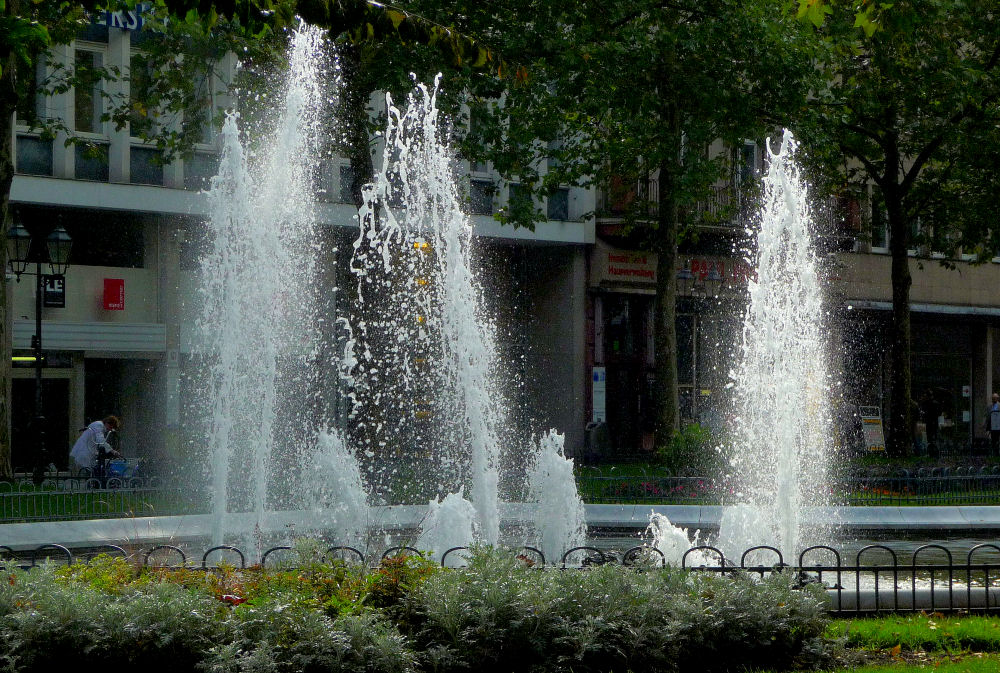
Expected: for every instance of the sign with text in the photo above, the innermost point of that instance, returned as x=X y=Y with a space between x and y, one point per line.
x=126 y=20
x=871 y=425
x=114 y=294
x=54 y=291
x=600 y=395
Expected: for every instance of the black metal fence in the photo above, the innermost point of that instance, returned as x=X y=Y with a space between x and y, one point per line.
x=875 y=580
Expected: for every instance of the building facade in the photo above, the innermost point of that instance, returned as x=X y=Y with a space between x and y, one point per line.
x=575 y=319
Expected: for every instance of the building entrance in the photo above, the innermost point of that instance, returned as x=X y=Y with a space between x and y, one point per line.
x=628 y=360
x=24 y=443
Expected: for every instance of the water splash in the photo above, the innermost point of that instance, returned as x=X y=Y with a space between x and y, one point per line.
x=560 y=518
x=673 y=542
x=450 y=522
x=333 y=485
x=782 y=434
x=258 y=309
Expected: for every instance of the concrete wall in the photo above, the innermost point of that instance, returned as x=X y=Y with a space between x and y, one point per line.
x=556 y=356
x=869 y=276
x=85 y=296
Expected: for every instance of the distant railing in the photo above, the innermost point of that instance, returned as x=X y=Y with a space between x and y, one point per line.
x=979 y=488
x=77 y=498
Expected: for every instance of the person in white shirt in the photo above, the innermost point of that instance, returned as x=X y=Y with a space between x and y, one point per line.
x=87 y=450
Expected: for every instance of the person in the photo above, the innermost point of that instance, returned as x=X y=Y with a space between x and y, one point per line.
x=993 y=424
x=92 y=448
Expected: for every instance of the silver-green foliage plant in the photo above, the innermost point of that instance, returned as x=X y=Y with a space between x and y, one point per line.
x=497 y=615
x=46 y=625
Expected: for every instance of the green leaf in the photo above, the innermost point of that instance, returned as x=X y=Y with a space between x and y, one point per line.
x=397 y=17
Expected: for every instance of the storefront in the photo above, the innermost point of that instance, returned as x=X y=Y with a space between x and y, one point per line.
x=622 y=290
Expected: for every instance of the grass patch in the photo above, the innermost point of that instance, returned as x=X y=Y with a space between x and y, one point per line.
x=929 y=633
x=975 y=662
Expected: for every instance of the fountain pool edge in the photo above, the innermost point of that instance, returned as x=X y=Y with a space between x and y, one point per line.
x=630 y=518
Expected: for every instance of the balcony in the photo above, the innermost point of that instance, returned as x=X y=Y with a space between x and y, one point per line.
x=726 y=206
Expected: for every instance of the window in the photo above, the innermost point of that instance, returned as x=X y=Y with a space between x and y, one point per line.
x=558 y=204
x=31 y=107
x=204 y=108
x=481 y=197
x=91 y=161
x=880 y=223
x=747 y=165
x=518 y=196
x=145 y=166
x=199 y=169
x=142 y=119
x=88 y=101
x=34 y=155
x=555 y=149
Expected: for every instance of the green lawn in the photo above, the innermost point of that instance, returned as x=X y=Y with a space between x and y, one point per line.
x=905 y=643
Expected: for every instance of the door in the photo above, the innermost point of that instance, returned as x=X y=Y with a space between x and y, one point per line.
x=24 y=437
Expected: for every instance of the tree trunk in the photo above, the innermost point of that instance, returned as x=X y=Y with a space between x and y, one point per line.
x=664 y=326
x=356 y=92
x=8 y=104
x=900 y=438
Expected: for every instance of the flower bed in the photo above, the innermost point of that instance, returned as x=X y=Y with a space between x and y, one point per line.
x=407 y=615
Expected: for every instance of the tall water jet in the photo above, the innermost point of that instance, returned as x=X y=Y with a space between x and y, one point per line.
x=781 y=435
x=425 y=350
x=560 y=518
x=258 y=311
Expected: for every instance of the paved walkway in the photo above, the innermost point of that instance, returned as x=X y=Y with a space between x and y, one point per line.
x=144 y=531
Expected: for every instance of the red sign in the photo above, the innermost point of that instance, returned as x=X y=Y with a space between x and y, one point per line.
x=114 y=294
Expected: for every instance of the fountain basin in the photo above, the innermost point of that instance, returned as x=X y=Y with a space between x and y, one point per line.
x=631 y=519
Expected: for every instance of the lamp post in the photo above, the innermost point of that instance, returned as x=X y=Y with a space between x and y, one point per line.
x=22 y=249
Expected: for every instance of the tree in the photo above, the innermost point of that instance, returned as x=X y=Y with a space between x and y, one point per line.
x=912 y=105
x=635 y=89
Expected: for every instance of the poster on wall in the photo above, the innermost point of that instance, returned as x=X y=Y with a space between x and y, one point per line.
x=871 y=424
x=114 y=294
x=600 y=395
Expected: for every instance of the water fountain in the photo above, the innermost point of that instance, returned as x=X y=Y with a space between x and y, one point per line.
x=781 y=433
x=258 y=311
x=418 y=357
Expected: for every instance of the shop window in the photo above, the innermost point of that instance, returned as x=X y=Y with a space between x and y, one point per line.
x=103 y=241
x=685 y=328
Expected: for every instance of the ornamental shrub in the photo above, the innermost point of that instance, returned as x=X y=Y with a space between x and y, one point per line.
x=497 y=615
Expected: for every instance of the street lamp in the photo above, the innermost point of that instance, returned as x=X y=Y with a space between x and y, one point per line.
x=22 y=249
